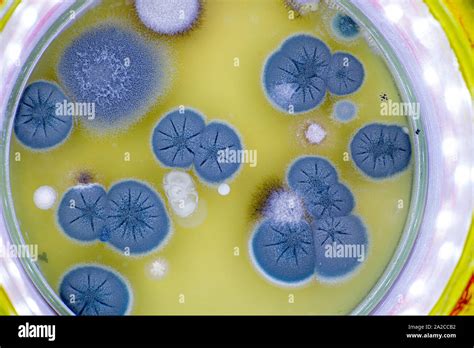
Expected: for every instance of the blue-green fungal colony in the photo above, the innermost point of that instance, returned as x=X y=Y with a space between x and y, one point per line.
x=122 y=74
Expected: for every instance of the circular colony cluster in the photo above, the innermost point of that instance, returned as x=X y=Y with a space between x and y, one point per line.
x=168 y=17
x=380 y=150
x=94 y=290
x=344 y=235
x=296 y=76
x=292 y=250
x=111 y=75
x=37 y=123
x=181 y=139
x=131 y=216
x=316 y=180
x=344 y=27
x=115 y=71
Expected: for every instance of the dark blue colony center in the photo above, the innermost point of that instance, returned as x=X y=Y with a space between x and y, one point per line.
x=182 y=139
x=82 y=212
x=296 y=76
x=176 y=137
x=117 y=70
x=293 y=249
x=95 y=290
x=380 y=150
x=344 y=27
x=131 y=216
x=292 y=252
x=211 y=166
x=37 y=125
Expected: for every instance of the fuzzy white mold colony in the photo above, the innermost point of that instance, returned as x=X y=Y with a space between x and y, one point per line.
x=284 y=207
x=181 y=192
x=168 y=17
x=315 y=134
x=157 y=269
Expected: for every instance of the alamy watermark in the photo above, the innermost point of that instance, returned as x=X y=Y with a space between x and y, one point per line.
x=352 y=251
x=76 y=109
x=24 y=251
x=28 y=330
x=390 y=108
x=237 y=156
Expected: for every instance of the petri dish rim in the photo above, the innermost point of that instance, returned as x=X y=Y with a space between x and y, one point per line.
x=419 y=183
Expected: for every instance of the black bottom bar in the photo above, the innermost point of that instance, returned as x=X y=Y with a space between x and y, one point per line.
x=291 y=331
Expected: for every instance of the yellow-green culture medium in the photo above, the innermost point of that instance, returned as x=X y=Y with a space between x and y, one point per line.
x=134 y=198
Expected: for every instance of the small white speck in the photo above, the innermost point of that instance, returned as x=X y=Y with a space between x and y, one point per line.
x=44 y=197
x=158 y=268
x=223 y=189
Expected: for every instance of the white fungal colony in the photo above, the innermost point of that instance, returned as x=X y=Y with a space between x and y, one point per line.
x=181 y=192
x=157 y=269
x=44 y=197
x=315 y=134
x=168 y=17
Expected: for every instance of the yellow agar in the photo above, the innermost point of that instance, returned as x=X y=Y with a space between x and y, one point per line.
x=203 y=268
